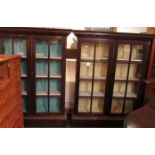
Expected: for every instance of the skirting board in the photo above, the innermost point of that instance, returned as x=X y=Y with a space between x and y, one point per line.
x=44 y=121
x=97 y=121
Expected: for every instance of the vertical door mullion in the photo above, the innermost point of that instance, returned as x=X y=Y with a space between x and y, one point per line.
x=12 y=43
x=110 y=78
x=48 y=74
x=33 y=75
x=92 y=88
x=126 y=85
x=77 y=77
x=30 y=76
x=63 y=77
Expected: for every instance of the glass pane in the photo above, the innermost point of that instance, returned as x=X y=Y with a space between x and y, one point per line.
x=55 y=67
x=123 y=51
x=41 y=48
x=56 y=48
x=117 y=106
x=55 y=86
x=102 y=50
x=86 y=69
x=42 y=86
x=99 y=88
x=87 y=50
x=84 y=105
x=24 y=85
x=97 y=105
x=121 y=71
x=100 y=70
x=25 y=103
x=85 y=88
x=137 y=52
x=24 y=67
x=7 y=46
x=132 y=89
x=20 y=47
x=128 y=106
x=42 y=67
x=54 y=105
x=41 y=104
x=135 y=71
x=119 y=89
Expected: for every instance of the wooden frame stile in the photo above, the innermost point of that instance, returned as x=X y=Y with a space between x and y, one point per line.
x=150 y=80
x=32 y=72
x=110 y=77
x=147 y=47
x=77 y=76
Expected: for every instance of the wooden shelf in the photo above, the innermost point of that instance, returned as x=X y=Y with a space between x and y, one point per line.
x=137 y=61
x=133 y=61
x=98 y=94
x=87 y=60
x=122 y=95
x=21 y=54
x=41 y=76
x=84 y=94
x=51 y=76
x=24 y=76
x=46 y=94
x=101 y=59
x=55 y=94
x=55 y=58
x=130 y=79
x=23 y=57
x=55 y=76
x=43 y=57
x=24 y=93
x=90 y=78
x=85 y=78
x=100 y=78
x=41 y=94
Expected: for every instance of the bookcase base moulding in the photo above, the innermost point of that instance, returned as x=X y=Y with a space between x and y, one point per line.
x=97 y=121
x=45 y=121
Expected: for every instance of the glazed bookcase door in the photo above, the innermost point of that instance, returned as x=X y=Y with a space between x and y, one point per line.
x=49 y=75
x=18 y=46
x=129 y=73
x=92 y=76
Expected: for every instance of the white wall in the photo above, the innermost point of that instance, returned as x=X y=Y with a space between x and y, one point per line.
x=132 y=29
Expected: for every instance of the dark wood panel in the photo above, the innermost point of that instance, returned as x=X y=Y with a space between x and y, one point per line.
x=45 y=121
x=97 y=121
